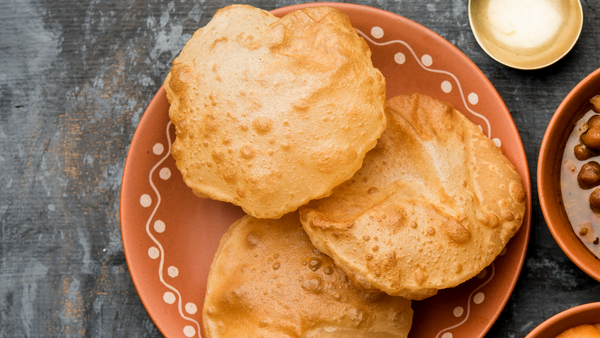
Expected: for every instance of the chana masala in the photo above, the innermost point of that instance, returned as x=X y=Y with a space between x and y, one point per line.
x=580 y=177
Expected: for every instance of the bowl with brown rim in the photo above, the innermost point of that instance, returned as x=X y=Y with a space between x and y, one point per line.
x=579 y=315
x=550 y=165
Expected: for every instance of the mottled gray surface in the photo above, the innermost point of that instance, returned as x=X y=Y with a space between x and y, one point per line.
x=75 y=79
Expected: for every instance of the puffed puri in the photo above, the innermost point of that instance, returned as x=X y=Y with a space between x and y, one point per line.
x=273 y=112
x=268 y=280
x=433 y=205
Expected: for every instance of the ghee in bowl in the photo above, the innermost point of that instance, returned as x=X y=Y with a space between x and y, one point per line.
x=528 y=34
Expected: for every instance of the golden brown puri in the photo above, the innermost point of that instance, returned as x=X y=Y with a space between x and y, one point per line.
x=268 y=280
x=271 y=113
x=434 y=203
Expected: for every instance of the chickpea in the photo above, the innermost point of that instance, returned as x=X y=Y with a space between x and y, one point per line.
x=595 y=199
x=591 y=138
x=589 y=175
x=583 y=153
x=594 y=121
x=595 y=101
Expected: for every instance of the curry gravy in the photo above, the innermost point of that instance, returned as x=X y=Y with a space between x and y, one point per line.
x=585 y=222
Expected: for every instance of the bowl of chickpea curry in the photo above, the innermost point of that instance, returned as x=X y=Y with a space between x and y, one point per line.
x=568 y=175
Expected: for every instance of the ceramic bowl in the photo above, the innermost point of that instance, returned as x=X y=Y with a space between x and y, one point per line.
x=579 y=315
x=549 y=172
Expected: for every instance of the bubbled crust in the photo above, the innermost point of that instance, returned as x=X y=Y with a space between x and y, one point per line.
x=434 y=203
x=268 y=280
x=271 y=113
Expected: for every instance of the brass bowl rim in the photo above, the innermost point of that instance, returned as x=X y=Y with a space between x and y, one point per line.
x=508 y=64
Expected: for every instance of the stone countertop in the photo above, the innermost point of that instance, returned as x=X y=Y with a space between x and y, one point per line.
x=75 y=79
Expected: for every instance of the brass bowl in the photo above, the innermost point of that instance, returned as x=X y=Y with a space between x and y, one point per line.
x=526 y=35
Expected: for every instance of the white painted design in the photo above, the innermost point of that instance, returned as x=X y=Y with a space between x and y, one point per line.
x=159 y=248
x=473 y=98
x=427 y=60
x=425 y=67
x=482 y=274
x=400 y=58
x=145 y=200
x=165 y=173
x=497 y=142
x=446 y=87
x=158 y=148
x=479 y=298
x=173 y=272
x=153 y=252
x=447 y=335
x=377 y=32
x=476 y=297
x=169 y=297
x=503 y=252
x=191 y=308
x=458 y=311
x=159 y=226
x=189 y=331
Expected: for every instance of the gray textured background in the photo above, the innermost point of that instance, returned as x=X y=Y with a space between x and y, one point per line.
x=75 y=79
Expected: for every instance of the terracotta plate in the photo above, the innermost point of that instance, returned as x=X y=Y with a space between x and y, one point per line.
x=170 y=235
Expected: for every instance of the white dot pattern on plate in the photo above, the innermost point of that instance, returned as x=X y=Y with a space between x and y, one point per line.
x=458 y=311
x=497 y=142
x=446 y=87
x=447 y=335
x=173 y=272
x=159 y=226
x=427 y=60
x=377 y=32
x=479 y=298
x=169 y=297
x=145 y=200
x=191 y=308
x=473 y=98
x=165 y=173
x=189 y=331
x=158 y=148
x=503 y=252
x=400 y=58
x=153 y=252
x=482 y=274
